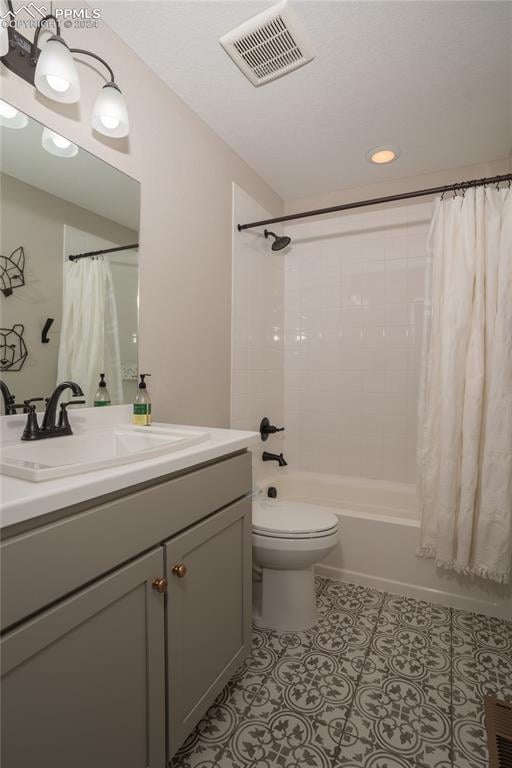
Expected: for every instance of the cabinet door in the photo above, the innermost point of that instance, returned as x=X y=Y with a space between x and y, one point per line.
x=83 y=684
x=208 y=613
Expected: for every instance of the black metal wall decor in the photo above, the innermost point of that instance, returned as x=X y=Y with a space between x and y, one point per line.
x=46 y=328
x=13 y=350
x=12 y=271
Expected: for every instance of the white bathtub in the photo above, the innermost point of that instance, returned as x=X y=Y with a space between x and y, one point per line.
x=378 y=539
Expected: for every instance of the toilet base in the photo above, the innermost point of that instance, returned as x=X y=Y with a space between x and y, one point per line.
x=288 y=601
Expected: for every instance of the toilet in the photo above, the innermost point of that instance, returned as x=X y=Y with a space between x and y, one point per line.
x=288 y=537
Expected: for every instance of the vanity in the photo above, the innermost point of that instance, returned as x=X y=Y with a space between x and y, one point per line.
x=125 y=612
x=125 y=551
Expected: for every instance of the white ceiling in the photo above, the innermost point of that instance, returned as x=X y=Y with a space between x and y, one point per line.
x=434 y=78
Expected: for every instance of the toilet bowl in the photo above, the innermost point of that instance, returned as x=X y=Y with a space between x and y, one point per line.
x=288 y=537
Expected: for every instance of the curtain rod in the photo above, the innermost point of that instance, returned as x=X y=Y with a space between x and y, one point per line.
x=462 y=185
x=77 y=256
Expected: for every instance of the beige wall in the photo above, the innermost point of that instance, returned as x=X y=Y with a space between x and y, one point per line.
x=186 y=173
x=35 y=219
x=398 y=186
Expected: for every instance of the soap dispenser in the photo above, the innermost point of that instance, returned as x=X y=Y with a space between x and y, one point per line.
x=102 y=396
x=142 y=404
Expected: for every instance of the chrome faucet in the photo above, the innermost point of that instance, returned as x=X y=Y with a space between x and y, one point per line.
x=49 y=428
x=9 y=399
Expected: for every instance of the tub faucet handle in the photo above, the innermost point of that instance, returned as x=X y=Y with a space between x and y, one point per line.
x=266 y=428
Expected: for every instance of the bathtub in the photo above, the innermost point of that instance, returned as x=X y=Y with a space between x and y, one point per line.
x=378 y=538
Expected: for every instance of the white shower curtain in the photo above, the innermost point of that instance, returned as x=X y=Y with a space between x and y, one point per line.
x=89 y=339
x=465 y=413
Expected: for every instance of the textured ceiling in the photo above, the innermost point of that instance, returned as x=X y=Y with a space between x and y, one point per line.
x=434 y=78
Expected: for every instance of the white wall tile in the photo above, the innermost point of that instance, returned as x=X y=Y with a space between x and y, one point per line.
x=327 y=337
x=257 y=378
x=353 y=374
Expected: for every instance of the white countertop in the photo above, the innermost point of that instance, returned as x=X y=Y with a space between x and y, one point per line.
x=22 y=500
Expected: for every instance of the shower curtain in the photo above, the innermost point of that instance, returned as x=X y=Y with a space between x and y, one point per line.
x=465 y=412
x=89 y=339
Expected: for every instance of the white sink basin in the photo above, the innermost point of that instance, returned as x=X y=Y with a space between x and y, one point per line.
x=60 y=456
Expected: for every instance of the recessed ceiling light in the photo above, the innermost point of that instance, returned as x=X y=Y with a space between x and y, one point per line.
x=382 y=155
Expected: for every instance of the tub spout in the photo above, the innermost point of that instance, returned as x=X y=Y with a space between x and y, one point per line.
x=266 y=456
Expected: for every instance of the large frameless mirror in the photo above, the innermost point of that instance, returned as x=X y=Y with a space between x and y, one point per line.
x=68 y=268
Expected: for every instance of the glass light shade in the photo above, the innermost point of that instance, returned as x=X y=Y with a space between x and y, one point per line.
x=56 y=75
x=57 y=145
x=10 y=117
x=109 y=115
x=4 y=38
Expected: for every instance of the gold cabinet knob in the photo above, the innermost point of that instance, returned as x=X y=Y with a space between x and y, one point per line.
x=160 y=585
x=179 y=570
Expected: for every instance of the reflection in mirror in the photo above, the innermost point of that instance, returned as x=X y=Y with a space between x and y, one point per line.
x=75 y=318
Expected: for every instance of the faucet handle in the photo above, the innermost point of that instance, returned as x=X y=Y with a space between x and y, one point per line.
x=63 y=415
x=266 y=428
x=27 y=404
x=31 y=431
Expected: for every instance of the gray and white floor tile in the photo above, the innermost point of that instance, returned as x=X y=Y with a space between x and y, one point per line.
x=382 y=681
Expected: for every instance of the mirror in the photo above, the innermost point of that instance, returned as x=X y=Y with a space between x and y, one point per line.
x=65 y=318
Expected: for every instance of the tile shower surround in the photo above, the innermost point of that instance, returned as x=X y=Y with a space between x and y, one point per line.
x=327 y=337
x=382 y=681
x=354 y=292
x=257 y=353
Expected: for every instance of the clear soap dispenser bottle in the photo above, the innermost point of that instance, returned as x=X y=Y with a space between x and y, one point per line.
x=102 y=396
x=142 y=404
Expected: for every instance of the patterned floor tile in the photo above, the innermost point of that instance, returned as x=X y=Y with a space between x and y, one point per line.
x=267 y=647
x=320 y=582
x=415 y=615
x=286 y=740
x=382 y=681
x=196 y=754
x=395 y=715
x=355 y=753
x=317 y=685
x=206 y=743
x=338 y=632
x=352 y=597
x=475 y=631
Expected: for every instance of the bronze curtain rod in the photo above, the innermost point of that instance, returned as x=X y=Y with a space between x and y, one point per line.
x=461 y=186
x=91 y=254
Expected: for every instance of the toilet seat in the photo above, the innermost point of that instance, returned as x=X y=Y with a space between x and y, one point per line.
x=292 y=520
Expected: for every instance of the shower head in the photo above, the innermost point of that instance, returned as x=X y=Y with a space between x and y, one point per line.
x=279 y=242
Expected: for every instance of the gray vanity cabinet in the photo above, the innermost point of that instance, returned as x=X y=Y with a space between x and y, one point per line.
x=83 y=683
x=111 y=652
x=208 y=613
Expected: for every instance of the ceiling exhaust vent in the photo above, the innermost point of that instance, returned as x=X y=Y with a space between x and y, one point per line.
x=268 y=46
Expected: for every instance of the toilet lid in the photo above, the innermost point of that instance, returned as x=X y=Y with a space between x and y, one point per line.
x=292 y=519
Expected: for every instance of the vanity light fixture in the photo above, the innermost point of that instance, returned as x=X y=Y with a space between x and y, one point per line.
x=10 y=117
x=56 y=76
x=109 y=115
x=382 y=155
x=52 y=70
x=57 y=145
x=4 y=38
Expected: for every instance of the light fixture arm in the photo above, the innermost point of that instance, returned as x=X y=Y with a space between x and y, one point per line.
x=33 y=50
x=83 y=52
x=80 y=51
